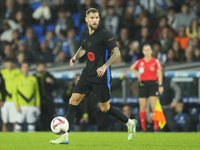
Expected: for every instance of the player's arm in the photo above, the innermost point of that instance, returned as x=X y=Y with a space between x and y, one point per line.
x=15 y=99
x=133 y=69
x=160 y=81
x=81 y=51
x=115 y=55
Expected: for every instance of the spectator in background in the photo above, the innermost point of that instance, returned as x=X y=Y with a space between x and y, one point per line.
x=192 y=30
x=162 y=24
x=195 y=43
x=133 y=13
x=50 y=38
x=64 y=22
x=14 y=43
x=118 y=6
x=182 y=38
x=179 y=53
x=8 y=110
x=124 y=40
x=166 y=39
x=198 y=32
x=103 y=9
x=171 y=57
x=22 y=48
x=88 y=4
x=143 y=39
x=188 y=55
x=18 y=23
x=169 y=100
x=61 y=58
x=32 y=42
x=196 y=55
x=73 y=44
x=20 y=58
x=162 y=57
x=133 y=52
x=172 y=17
x=47 y=84
x=26 y=98
x=42 y=14
x=144 y=23
x=56 y=6
x=112 y=21
x=7 y=31
x=8 y=52
x=45 y=53
x=23 y=6
x=9 y=11
x=62 y=44
x=185 y=17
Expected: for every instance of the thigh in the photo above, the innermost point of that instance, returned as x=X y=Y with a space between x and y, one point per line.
x=101 y=92
x=12 y=112
x=153 y=100
x=4 y=112
x=143 y=90
x=83 y=87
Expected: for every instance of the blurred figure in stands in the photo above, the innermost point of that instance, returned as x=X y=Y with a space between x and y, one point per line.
x=47 y=85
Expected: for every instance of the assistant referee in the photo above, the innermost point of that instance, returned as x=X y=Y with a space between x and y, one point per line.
x=101 y=51
x=150 y=77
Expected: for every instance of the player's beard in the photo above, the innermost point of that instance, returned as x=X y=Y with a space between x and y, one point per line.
x=93 y=27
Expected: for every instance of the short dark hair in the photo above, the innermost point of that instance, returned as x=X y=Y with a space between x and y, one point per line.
x=25 y=62
x=41 y=62
x=9 y=60
x=91 y=10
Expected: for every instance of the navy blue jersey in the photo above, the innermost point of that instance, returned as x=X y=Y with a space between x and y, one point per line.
x=98 y=48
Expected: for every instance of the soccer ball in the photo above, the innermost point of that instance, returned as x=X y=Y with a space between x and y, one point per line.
x=59 y=125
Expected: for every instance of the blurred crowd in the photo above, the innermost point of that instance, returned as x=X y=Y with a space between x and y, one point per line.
x=51 y=30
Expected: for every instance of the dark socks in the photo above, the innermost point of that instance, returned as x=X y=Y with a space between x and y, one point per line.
x=117 y=114
x=71 y=114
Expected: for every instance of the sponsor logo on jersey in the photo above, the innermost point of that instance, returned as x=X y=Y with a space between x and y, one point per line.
x=91 y=56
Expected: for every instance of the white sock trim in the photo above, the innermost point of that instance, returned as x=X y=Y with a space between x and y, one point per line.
x=129 y=123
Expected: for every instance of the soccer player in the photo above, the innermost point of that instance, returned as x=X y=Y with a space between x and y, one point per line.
x=101 y=51
x=150 y=85
x=26 y=99
x=8 y=110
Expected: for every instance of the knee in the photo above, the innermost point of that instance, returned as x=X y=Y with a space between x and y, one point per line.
x=143 y=108
x=105 y=109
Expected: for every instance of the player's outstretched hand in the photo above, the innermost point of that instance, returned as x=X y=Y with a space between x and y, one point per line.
x=72 y=61
x=101 y=70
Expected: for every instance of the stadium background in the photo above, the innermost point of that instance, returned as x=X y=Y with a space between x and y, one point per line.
x=133 y=24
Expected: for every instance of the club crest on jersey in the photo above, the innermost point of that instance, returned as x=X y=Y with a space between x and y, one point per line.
x=91 y=56
x=89 y=44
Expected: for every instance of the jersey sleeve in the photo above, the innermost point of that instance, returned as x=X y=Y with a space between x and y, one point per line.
x=135 y=65
x=109 y=41
x=83 y=44
x=158 y=65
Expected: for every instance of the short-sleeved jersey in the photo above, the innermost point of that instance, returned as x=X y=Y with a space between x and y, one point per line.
x=147 y=70
x=26 y=91
x=98 y=47
x=9 y=78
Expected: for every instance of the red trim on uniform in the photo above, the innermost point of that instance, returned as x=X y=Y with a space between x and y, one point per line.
x=110 y=39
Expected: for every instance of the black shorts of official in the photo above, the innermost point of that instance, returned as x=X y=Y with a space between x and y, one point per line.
x=100 y=91
x=148 y=88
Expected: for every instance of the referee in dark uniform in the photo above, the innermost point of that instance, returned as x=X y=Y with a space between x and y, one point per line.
x=101 y=51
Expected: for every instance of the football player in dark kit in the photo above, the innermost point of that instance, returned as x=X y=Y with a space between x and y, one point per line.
x=102 y=51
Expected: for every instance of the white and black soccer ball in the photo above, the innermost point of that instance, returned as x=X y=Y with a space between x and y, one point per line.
x=59 y=125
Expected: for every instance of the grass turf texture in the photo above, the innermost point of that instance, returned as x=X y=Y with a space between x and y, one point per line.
x=101 y=141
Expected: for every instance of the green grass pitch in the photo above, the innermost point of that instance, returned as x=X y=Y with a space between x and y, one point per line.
x=101 y=141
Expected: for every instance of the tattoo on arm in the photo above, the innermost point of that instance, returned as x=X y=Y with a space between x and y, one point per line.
x=80 y=53
x=115 y=55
